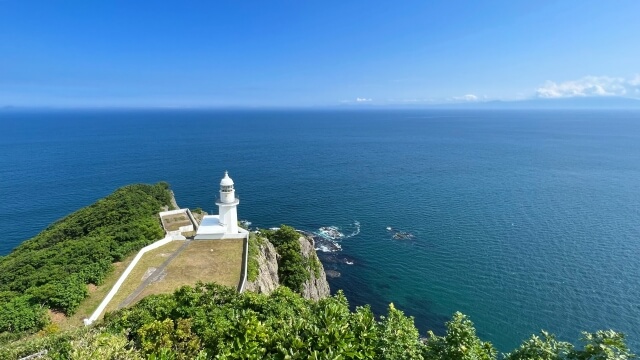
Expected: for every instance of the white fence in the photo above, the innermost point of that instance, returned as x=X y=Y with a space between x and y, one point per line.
x=245 y=264
x=167 y=239
x=123 y=277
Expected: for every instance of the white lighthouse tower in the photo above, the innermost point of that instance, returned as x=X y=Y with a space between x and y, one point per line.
x=227 y=205
x=225 y=224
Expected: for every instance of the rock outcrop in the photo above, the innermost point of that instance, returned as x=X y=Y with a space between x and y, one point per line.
x=315 y=288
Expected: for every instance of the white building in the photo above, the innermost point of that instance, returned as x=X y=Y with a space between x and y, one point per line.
x=225 y=224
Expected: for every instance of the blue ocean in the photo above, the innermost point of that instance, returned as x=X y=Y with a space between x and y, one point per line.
x=523 y=220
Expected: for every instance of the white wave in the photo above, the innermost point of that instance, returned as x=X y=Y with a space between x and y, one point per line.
x=328 y=237
x=323 y=249
x=356 y=224
x=330 y=232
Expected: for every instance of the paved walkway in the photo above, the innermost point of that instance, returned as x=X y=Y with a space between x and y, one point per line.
x=152 y=278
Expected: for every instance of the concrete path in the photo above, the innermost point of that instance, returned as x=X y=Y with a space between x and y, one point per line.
x=152 y=278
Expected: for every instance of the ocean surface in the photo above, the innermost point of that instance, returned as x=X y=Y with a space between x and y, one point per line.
x=522 y=220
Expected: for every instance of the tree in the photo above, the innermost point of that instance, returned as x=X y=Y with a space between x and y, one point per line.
x=292 y=266
x=459 y=343
x=545 y=347
x=603 y=345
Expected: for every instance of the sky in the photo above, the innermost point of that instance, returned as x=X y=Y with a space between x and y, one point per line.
x=306 y=53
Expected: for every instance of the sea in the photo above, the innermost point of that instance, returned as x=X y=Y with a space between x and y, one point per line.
x=522 y=220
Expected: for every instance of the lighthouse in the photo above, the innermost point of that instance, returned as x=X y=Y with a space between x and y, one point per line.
x=227 y=205
x=225 y=224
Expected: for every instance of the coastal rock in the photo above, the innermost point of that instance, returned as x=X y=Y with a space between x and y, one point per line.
x=267 y=280
x=172 y=202
x=315 y=288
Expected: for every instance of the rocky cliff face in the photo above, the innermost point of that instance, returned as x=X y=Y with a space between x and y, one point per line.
x=267 y=280
x=315 y=288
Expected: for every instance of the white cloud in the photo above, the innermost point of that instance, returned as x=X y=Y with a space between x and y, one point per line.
x=468 y=97
x=363 y=100
x=411 y=101
x=590 y=86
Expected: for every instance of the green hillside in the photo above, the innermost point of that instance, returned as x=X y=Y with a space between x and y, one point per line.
x=52 y=270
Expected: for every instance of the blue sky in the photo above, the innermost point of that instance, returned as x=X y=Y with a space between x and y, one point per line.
x=313 y=53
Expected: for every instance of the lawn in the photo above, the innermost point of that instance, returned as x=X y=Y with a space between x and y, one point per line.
x=151 y=259
x=218 y=261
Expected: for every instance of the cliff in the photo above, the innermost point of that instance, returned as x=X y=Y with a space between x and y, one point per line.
x=267 y=279
x=315 y=288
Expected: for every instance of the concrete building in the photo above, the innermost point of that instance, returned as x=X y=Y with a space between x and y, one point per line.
x=225 y=224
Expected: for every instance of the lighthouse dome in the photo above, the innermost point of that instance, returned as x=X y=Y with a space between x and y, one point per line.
x=226 y=180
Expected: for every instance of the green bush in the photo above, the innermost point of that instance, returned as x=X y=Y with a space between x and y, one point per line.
x=21 y=314
x=228 y=325
x=210 y=321
x=292 y=266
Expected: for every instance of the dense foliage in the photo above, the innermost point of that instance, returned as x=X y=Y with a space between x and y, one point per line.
x=209 y=321
x=294 y=268
x=213 y=321
x=52 y=269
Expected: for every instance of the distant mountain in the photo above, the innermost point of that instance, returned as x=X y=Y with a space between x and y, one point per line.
x=574 y=103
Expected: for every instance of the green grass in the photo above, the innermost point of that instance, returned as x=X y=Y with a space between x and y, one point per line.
x=151 y=259
x=217 y=261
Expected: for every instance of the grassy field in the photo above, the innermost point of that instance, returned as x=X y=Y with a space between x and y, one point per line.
x=152 y=259
x=218 y=261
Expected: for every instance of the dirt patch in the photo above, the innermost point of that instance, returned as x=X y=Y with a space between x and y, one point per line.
x=148 y=273
x=56 y=316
